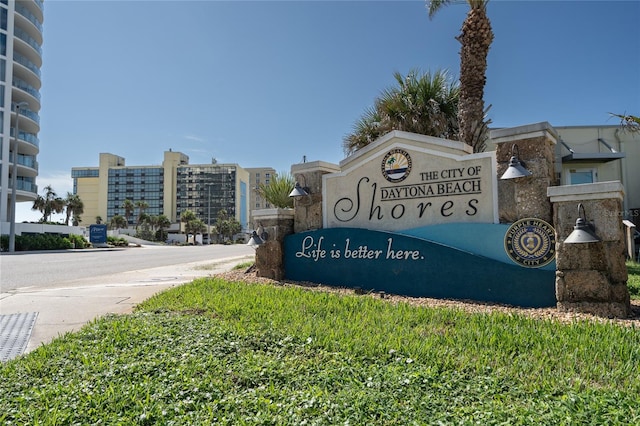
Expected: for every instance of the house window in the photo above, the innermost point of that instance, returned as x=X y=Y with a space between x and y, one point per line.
x=579 y=176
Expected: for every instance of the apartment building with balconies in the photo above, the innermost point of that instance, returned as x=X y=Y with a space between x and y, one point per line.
x=20 y=83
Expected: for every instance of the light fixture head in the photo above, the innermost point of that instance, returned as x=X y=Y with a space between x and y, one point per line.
x=516 y=168
x=256 y=240
x=583 y=231
x=299 y=191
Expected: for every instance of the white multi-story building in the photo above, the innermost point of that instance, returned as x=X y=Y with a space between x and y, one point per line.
x=20 y=62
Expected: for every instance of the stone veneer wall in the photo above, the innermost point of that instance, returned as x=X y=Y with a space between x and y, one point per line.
x=277 y=223
x=591 y=277
x=308 y=209
x=526 y=197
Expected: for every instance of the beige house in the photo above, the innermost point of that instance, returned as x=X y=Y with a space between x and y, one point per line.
x=590 y=154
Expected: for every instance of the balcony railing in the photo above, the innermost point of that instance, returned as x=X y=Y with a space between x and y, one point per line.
x=23 y=85
x=30 y=114
x=28 y=161
x=27 y=137
x=25 y=185
x=22 y=60
x=22 y=10
x=24 y=36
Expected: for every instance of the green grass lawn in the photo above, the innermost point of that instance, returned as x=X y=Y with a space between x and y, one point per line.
x=218 y=352
x=634 y=279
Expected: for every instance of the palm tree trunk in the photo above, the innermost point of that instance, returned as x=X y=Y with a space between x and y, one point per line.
x=476 y=37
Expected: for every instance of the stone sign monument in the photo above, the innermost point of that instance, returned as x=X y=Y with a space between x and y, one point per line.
x=405 y=180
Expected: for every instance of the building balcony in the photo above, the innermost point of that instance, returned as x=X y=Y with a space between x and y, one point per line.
x=28 y=93
x=26 y=70
x=27 y=190
x=29 y=120
x=28 y=138
x=23 y=11
x=28 y=46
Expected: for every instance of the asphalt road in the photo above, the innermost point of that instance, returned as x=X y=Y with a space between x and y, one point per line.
x=78 y=267
x=44 y=295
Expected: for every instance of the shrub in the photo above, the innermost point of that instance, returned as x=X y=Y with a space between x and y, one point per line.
x=277 y=191
x=118 y=242
x=78 y=241
x=37 y=242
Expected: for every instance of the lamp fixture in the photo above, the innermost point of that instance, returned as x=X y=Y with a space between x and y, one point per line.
x=258 y=237
x=255 y=240
x=583 y=232
x=298 y=191
x=516 y=167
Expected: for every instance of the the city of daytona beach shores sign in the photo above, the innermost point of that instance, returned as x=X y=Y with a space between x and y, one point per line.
x=418 y=216
x=405 y=180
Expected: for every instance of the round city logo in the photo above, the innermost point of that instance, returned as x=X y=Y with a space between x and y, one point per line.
x=531 y=242
x=396 y=165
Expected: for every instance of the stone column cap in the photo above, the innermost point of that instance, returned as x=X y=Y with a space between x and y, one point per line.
x=528 y=131
x=314 y=166
x=272 y=213
x=586 y=191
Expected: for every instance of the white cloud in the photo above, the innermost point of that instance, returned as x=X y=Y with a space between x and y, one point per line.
x=194 y=138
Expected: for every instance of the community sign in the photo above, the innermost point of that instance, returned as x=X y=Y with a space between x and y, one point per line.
x=406 y=180
x=418 y=216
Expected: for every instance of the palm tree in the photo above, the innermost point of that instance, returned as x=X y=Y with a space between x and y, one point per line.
x=277 y=191
x=424 y=103
x=142 y=206
x=475 y=37
x=186 y=217
x=48 y=204
x=628 y=122
x=118 y=222
x=160 y=223
x=128 y=207
x=74 y=208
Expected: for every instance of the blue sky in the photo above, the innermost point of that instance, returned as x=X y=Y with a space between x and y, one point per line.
x=266 y=83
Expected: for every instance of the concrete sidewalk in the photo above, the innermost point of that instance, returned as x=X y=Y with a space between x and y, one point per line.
x=62 y=310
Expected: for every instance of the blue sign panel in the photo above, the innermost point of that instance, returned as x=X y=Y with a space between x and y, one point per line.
x=98 y=234
x=412 y=266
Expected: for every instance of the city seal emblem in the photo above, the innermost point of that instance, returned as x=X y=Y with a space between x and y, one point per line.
x=531 y=243
x=396 y=165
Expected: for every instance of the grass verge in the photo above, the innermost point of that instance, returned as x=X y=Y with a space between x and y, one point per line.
x=221 y=352
x=633 y=281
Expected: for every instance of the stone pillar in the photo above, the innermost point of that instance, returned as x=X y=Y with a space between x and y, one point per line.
x=591 y=277
x=277 y=224
x=526 y=197
x=308 y=209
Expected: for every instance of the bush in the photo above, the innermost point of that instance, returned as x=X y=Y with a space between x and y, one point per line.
x=118 y=242
x=29 y=242
x=78 y=241
x=277 y=191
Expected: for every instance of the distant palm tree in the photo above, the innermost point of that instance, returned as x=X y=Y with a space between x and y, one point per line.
x=142 y=206
x=128 y=207
x=74 y=208
x=159 y=224
x=118 y=222
x=424 y=103
x=48 y=204
x=476 y=38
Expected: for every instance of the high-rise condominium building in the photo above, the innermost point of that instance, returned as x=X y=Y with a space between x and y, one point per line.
x=168 y=189
x=20 y=62
x=259 y=176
